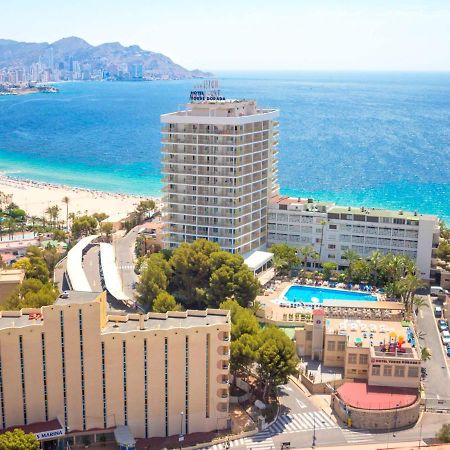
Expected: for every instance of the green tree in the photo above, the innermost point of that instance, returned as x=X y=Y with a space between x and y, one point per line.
x=284 y=258
x=243 y=354
x=425 y=354
x=165 y=302
x=100 y=217
x=84 y=226
x=307 y=252
x=18 y=440
x=106 y=228
x=151 y=282
x=144 y=207
x=407 y=287
x=358 y=271
x=328 y=269
x=276 y=358
x=444 y=433
x=322 y=222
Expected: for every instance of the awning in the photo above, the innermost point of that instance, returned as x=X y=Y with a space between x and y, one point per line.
x=257 y=259
x=111 y=275
x=123 y=436
x=75 y=271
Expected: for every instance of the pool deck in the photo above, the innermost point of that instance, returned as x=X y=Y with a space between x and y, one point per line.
x=334 y=308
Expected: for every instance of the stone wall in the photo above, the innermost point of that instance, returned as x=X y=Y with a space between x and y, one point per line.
x=382 y=419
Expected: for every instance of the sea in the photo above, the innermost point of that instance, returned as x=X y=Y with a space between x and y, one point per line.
x=375 y=139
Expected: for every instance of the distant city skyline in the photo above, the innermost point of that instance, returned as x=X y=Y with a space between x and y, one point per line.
x=410 y=35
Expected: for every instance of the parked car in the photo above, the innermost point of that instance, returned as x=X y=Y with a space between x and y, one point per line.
x=442 y=324
x=437 y=290
x=445 y=336
x=448 y=350
x=437 y=312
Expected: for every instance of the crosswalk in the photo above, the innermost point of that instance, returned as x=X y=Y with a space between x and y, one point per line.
x=288 y=423
x=357 y=436
x=304 y=421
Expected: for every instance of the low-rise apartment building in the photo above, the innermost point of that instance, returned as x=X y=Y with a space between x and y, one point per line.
x=157 y=374
x=333 y=229
x=377 y=352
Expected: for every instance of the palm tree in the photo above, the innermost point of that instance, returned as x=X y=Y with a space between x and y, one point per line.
x=375 y=261
x=66 y=200
x=255 y=306
x=322 y=222
x=307 y=252
x=407 y=287
x=420 y=302
x=425 y=354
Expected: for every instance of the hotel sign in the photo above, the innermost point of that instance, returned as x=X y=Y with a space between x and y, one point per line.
x=208 y=90
x=53 y=434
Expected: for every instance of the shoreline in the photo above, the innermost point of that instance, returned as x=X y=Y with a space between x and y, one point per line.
x=36 y=196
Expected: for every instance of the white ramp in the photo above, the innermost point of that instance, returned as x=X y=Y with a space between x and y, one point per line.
x=75 y=271
x=111 y=274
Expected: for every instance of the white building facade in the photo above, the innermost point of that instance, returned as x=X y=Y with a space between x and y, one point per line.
x=219 y=166
x=332 y=230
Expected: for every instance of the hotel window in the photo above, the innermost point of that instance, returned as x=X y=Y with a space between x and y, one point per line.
x=341 y=346
x=125 y=406
x=83 y=399
x=376 y=370
x=207 y=375
x=333 y=227
x=2 y=400
x=352 y=358
x=363 y=359
x=166 y=385
x=186 y=398
x=331 y=346
x=44 y=376
x=413 y=372
x=331 y=246
x=387 y=371
x=22 y=376
x=104 y=386
x=63 y=366
x=399 y=371
x=145 y=389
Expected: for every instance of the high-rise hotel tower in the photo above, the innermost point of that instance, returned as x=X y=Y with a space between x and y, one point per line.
x=220 y=169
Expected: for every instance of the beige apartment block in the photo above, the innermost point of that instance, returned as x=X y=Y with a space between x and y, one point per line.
x=73 y=362
x=220 y=169
x=361 y=348
x=332 y=230
x=9 y=280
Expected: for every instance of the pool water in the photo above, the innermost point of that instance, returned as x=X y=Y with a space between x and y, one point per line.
x=305 y=294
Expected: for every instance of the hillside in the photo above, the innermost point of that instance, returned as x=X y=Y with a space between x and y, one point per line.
x=110 y=57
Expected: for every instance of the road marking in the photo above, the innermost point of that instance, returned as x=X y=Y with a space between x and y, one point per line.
x=355 y=436
x=300 y=403
x=305 y=421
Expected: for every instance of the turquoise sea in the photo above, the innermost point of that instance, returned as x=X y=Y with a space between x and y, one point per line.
x=373 y=139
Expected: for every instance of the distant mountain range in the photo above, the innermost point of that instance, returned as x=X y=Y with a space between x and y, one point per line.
x=73 y=55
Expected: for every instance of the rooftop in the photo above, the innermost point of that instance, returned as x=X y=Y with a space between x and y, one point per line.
x=329 y=207
x=11 y=275
x=361 y=395
x=165 y=321
x=369 y=333
x=77 y=298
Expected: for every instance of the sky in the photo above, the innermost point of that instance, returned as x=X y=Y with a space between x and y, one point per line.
x=408 y=35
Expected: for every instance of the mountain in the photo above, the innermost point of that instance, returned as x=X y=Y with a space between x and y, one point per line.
x=109 y=57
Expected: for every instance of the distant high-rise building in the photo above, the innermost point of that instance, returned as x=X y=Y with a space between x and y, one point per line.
x=219 y=162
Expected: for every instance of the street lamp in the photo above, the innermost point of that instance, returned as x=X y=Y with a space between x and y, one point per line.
x=181 y=437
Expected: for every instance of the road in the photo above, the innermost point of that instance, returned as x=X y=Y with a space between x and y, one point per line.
x=437 y=382
x=299 y=416
x=125 y=256
x=91 y=266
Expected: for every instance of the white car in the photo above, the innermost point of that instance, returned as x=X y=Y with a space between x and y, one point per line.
x=445 y=336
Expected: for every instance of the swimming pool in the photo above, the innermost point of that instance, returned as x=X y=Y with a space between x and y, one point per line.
x=306 y=294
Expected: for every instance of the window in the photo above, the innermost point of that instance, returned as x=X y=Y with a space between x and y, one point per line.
x=399 y=371
x=331 y=246
x=413 y=372
x=104 y=386
x=44 y=376
x=63 y=365
x=186 y=398
x=331 y=346
x=166 y=384
x=125 y=405
x=207 y=376
x=22 y=376
x=333 y=227
x=83 y=402
x=2 y=401
x=352 y=358
x=363 y=359
x=145 y=389
x=376 y=370
x=341 y=346
x=387 y=371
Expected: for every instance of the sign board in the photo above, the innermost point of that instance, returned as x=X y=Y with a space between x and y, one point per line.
x=53 y=434
x=208 y=90
x=181 y=438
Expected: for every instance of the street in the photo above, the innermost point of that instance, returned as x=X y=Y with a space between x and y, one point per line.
x=437 y=382
x=300 y=419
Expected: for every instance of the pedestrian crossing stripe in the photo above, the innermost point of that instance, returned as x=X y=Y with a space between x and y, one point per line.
x=357 y=435
x=292 y=423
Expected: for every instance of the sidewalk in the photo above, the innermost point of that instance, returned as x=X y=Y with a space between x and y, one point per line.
x=380 y=446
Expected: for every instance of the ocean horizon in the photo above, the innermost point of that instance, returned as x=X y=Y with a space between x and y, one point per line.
x=374 y=139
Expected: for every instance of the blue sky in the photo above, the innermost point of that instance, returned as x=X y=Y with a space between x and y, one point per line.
x=252 y=34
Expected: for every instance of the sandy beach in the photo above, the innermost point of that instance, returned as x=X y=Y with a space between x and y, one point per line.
x=35 y=197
